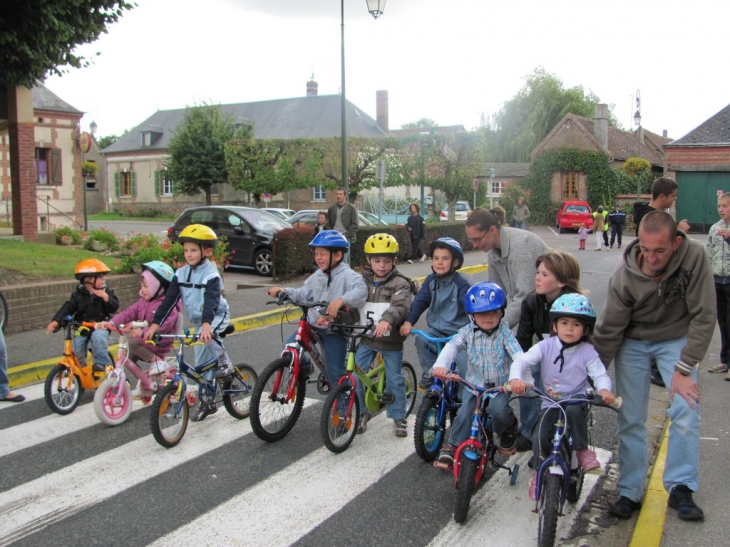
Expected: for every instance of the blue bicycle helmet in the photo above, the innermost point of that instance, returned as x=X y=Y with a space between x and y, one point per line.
x=161 y=271
x=452 y=245
x=330 y=239
x=483 y=297
x=574 y=305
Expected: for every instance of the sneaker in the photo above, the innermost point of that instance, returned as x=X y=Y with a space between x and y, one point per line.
x=410 y=261
x=533 y=487
x=623 y=507
x=523 y=444
x=656 y=378
x=204 y=412
x=401 y=428
x=96 y=367
x=587 y=459
x=137 y=391
x=362 y=425
x=727 y=377
x=721 y=368
x=425 y=382
x=225 y=368
x=445 y=459
x=158 y=367
x=423 y=257
x=681 y=500
x=508 y=438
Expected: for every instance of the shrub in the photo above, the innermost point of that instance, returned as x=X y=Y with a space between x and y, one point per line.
x=67 y=236
x=102 y=236
x=142 y=248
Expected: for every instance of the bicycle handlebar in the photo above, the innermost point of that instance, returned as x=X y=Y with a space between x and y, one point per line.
x=430 y=338
x=532 y=392
x=284 y=298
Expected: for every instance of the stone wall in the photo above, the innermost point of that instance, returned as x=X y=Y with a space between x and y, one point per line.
x=32 y=306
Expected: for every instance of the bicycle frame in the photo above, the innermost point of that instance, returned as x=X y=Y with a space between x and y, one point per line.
x=88 y=379
x=445 y=391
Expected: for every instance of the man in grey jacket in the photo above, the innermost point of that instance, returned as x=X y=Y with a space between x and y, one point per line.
x=660 y=307
x=342 y=216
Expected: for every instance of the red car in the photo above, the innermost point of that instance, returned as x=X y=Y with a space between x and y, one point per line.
x=571 y=214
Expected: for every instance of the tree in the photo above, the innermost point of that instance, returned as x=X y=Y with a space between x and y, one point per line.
x=422 y=123
x=525 y=120
x=196 y=151
x=105 y=141
x=38 y=37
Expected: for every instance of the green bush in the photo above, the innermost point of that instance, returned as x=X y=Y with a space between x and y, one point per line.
x=104 y=237
x=68 y=236
x=142 y=248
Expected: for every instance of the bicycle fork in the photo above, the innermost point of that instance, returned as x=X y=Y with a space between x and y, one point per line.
x=554 y=465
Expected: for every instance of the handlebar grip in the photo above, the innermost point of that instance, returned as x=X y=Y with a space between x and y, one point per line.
x=140 y=324
x=617 y=402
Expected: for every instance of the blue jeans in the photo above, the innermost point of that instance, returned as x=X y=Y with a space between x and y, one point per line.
x=521 y=225
x=530 y=408
x=396 y=382
x=335 y=349
x=498 y=409
x=427 y=353
x=4 y=390
x=633 y=373
x=99 y=347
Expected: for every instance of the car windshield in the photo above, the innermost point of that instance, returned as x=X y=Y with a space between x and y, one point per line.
x=264 y=221
x=576 y=209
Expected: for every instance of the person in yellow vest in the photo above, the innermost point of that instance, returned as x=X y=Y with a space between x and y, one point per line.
x=599 y=227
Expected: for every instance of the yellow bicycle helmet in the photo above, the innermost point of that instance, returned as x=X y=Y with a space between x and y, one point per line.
x=200 y=234
x=381 y=245
x=90 y=267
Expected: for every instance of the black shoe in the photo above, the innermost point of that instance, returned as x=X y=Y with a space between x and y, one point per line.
x=656 y=378
x=623 y=507
x=508 y=437
x=425 y=382
x=96 y=367
x=681 y=500
x=204 y=412
x=523 y=444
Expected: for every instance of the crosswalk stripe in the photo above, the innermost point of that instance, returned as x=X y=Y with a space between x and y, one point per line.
x=37 y=504
x=290 y=503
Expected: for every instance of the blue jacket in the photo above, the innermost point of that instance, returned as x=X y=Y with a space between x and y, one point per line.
x=444 y=297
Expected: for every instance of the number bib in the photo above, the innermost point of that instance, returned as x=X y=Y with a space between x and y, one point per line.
x=374 y=311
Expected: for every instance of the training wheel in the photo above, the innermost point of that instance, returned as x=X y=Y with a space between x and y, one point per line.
x=513 y=474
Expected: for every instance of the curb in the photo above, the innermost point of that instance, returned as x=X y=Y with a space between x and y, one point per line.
x=23 y=375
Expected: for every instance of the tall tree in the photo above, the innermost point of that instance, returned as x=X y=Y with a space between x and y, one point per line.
x=525 y=120
x=38 y=37
x=422 y=123
x=196 y=151
x=106 y=140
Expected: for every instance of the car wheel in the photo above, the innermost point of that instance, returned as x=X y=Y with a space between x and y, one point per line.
x=262 y=263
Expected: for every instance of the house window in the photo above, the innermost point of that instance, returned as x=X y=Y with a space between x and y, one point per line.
x=570 y=185
x=125 y=184
x=496 y=187
x=163 y=184
x=146 y=139
x=166 y=186
x=318 y=193
x=48 y=166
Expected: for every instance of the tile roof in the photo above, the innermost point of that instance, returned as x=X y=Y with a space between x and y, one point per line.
x=446 y=129
x=45 y=99
x=506 y=169
x=314 y=116
x=716 y=130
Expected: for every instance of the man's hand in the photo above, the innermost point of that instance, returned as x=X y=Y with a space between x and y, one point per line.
x=683 y=225
x=686 y=387
x=405 y=329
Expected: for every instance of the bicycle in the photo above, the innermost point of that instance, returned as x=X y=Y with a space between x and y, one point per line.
x=441 y=399
x=559 y=476
x=113 y=398
x=67 y=381
x=341 y=410
x=472 y=456
x=170 y=408
x=3 y=312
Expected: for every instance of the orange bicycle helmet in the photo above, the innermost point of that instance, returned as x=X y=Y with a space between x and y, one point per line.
x=90 y=267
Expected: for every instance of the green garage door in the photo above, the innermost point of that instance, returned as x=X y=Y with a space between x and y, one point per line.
x=697 y=197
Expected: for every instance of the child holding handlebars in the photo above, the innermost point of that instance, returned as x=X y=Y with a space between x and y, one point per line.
x=567 y=359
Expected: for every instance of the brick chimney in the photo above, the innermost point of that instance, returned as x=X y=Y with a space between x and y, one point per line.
x=600 y=124
x=381 y=110
x=312 y=87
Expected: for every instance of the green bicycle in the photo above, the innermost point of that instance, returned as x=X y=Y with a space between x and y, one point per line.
x=341 y=410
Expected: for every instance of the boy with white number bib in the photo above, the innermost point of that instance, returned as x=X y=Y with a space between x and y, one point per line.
x=388 y=305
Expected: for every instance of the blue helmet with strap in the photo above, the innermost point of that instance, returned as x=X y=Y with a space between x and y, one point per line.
x=330 y=239
x=161 y=271
x=485 y=296
x=574 y=305
x=448 y=243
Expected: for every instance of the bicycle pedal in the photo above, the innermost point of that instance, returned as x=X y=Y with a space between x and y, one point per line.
x=387 y=398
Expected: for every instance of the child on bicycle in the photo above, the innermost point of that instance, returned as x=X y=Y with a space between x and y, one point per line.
x=567 y=360
x=443 y=293
x=389 y=302
x=490 y=347
x=91 y=301
x=155 y=280
x=333 y=282
x=199 y=285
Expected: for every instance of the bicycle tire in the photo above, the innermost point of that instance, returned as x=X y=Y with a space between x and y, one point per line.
x=272 y=419
x=243 y=379
x=428 y=435
x=66 y=400
x=113 y=403
x=411 y=386
x=3 y=312
x=339 y=431
x=168 y=429
x=576 y=485
x=465 y=486
x=548 y=512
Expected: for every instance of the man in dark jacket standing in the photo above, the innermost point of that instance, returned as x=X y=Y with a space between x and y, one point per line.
x=342 y=216
x=617 y=218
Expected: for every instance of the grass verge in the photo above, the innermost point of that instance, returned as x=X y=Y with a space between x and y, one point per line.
x=39 y=261
x=117 y=216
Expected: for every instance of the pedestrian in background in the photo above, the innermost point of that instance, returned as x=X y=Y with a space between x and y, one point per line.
x=599 y=223
x=520 y=214
x=342 y=216
x=417 y=231
x=718 y=249
x=5 y=394
x=616 y=218
x=582 y=236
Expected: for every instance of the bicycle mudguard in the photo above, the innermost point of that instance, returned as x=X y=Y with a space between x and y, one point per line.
x=471 y=449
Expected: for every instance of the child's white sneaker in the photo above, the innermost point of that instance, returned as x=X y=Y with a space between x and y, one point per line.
x=158 y=367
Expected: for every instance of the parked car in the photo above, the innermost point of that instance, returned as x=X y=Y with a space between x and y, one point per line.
x=463 y=210
x=283 y=214
x=308 y=217
x=373 y=218
x=249 y=232
x=571 y=214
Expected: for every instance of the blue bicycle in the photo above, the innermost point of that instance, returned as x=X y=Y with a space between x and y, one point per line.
x=441 y=399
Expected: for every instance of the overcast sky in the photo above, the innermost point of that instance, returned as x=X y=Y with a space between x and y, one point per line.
x=451 y=61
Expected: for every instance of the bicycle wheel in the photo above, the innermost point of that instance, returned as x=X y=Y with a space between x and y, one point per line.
x=465 y=486
x=61 y=392
x=411 y=386
x=113 y=403
x=336 y=426
x=548 y=512
x=3 y=312
x=241 y=383
x=428 y=434
x=272 y=415
x=168 y=427
x=576 y=485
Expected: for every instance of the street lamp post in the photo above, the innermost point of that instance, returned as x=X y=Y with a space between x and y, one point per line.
x=637 y=122
x=375 y=7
